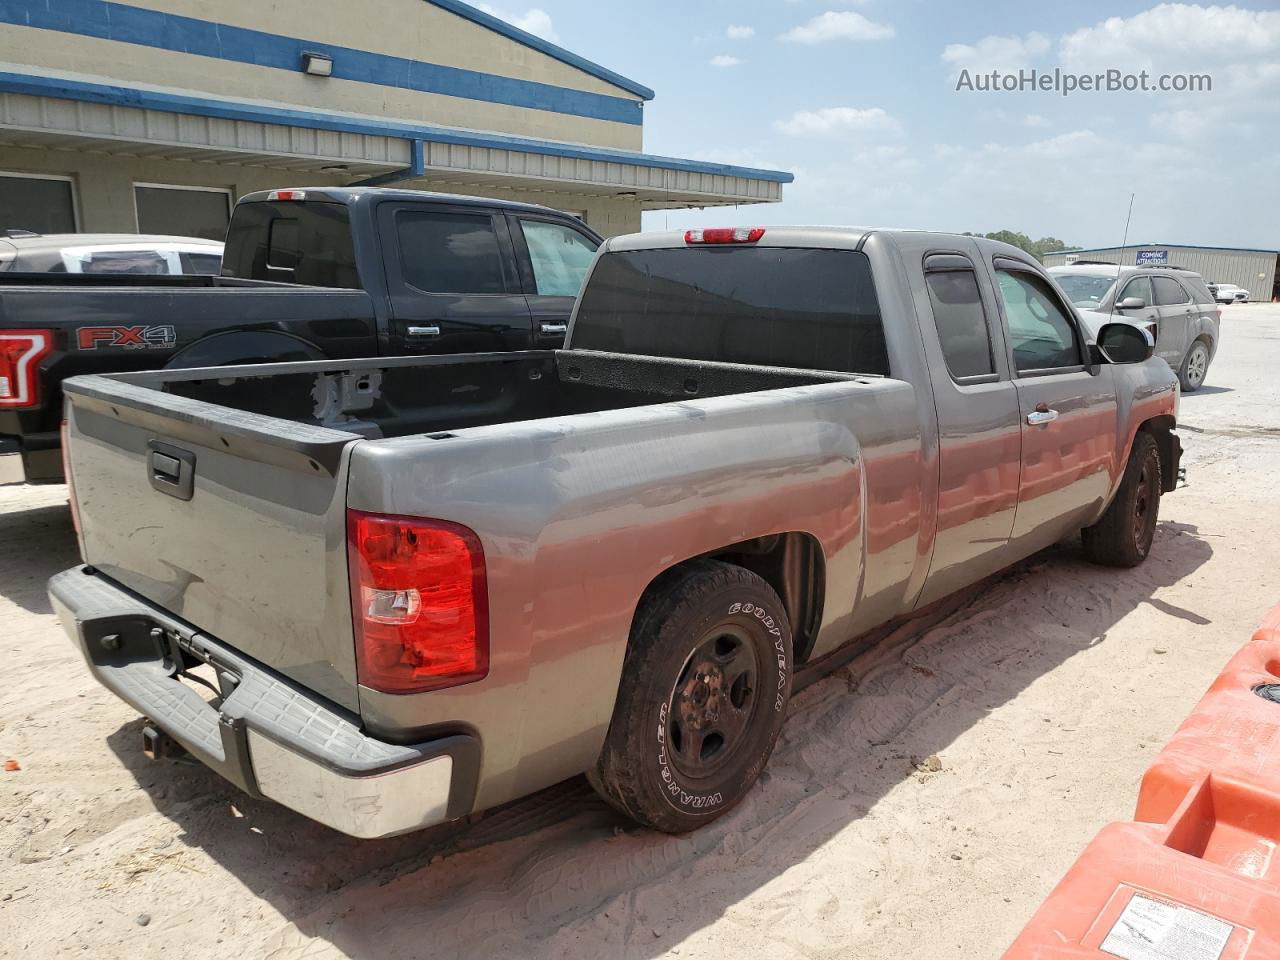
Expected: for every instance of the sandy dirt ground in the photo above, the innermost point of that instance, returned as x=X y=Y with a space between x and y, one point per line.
x=1042 y=697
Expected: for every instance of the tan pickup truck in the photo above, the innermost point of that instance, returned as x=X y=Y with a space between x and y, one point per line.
x=426 y=586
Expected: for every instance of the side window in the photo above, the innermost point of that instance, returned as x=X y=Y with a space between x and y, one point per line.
x=1169 y=292
x=958 y=315
x=450 y=252
x=125 y=261
x=1041 y=334
x=1139 y=287
x=207 y=264
x=560 y=256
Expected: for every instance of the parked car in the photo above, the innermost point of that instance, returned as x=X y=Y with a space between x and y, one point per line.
x=1229 y=293
x=429 y=585
x=22 y=251
x=307 y=275
x=1174 y=305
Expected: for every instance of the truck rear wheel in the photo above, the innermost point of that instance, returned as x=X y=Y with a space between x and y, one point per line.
x=704 y=690
x=1122 y=538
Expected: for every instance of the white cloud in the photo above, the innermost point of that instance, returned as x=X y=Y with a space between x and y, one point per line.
x=1035 y=120
x=1006 y=54
x=1174 y=37
x=724 y=60
x=535 y=20
x=840 y=123
x=843 y=25
x=735 y=32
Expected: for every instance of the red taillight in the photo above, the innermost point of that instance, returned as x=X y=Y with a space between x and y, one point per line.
x=20 y=351
x=724 y=235
x=419 y=602
x=287 y=195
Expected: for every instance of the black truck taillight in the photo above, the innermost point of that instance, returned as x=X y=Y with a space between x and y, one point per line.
x=20 y=353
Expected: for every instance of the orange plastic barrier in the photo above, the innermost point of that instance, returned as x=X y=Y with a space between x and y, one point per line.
x=1205 y=886
x=1233 y=733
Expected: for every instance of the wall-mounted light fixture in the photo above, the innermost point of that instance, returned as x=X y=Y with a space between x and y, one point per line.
x=317 y=64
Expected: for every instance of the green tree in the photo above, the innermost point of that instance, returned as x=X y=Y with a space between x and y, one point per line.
x=1037 y=248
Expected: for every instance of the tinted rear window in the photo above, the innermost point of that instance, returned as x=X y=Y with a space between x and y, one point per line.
x=295 y=242
x=450 y=252
x=771 y=306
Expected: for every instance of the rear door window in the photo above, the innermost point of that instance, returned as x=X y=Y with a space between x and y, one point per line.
x=1169 y=292
x=771 y=306
x=450 y=252
x=959 y=316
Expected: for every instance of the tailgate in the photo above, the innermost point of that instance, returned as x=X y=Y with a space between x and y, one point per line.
x=232 y=521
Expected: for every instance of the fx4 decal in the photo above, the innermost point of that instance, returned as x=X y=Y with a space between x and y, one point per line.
x=128 y=338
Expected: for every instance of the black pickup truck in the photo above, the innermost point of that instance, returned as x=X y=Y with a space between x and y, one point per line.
x=308 y=274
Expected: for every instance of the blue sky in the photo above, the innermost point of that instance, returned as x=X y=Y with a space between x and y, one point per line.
x=858 y=99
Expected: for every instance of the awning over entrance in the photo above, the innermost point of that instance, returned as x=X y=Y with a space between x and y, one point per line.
x=80 y=112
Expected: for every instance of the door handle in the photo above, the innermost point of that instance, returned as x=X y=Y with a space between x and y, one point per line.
x=554 y=328
x=430 y=331
x=1041 y=415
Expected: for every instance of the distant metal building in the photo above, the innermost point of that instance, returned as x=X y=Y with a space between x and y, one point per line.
x=1254 y=270
x=154 y=115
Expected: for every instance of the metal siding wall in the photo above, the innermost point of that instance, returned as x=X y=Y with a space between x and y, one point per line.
x=413 y=29
x=49 y=50
x=1240 y=267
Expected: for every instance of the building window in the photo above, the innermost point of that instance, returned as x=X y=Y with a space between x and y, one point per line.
x=183 y=211
x=39 y=204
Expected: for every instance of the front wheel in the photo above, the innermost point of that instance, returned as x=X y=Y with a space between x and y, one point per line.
x=1195 y=366
x=1122 y=538
x=705 y=686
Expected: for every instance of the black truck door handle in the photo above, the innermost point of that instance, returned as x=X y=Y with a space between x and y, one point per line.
x=171 y=470
x=554 y=329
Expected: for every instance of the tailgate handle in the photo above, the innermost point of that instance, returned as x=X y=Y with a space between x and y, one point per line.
x=171 y=470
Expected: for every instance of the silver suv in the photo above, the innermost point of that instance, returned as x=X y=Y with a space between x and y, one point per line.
x=1175 y=305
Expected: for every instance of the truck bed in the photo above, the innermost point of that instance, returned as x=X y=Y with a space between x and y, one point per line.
x=396 y=397
x=220 y=494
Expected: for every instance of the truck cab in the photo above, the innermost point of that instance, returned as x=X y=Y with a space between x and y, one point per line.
x=306 y=274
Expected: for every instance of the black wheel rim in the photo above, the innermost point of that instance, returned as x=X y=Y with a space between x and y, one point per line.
x=713 y=702
x=1145 y=507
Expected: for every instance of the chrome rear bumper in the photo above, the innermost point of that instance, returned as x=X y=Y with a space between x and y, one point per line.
x=267 y=735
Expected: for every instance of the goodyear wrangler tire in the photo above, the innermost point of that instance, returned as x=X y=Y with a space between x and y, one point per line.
x=705 y=686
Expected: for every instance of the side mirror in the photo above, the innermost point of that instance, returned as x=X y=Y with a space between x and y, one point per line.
x=1125 y=343
x=1131 y=303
